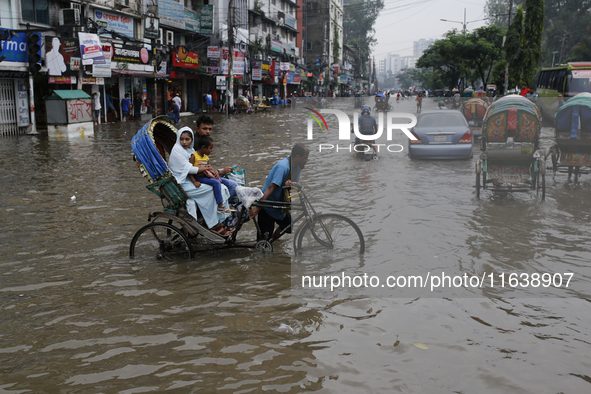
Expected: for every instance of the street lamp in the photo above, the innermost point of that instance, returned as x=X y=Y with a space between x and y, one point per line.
x=464 y=23
x=553 y=55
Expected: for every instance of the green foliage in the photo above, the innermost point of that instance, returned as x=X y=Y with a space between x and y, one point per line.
x=564 y=32
x=458 y=56
x=514 y=54
x=336 y=48
x=532 y=40
x=358 y=31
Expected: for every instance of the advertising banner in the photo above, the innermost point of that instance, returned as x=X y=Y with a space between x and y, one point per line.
x=182 y=57
x=213 y=52
x=16 y=49
x=225 y=60
x=22 y=101
x=214 y=66
x=151 y=27
x=131 y=54
x=171 y=13
x=257 y=70
x=238 y=65
x=62 y=56
x=118 y=23
x=90 y=48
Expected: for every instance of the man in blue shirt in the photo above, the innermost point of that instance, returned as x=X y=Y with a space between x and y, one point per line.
x=282 y=174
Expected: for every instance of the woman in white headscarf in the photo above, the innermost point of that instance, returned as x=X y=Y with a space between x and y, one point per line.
x=202 y=196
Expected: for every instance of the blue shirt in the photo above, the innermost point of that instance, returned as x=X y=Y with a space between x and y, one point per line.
x=125 y=103
x=279 y=175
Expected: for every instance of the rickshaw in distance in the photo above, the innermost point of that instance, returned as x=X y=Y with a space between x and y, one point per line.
x=511 y=160
x=571 y=153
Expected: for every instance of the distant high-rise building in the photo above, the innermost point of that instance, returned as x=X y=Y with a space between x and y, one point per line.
x=420 y=46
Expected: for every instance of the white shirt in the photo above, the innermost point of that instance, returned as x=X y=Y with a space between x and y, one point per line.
x=97 y=101
x=177 y=101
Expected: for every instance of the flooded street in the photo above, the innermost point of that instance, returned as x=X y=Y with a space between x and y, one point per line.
x=77 y=315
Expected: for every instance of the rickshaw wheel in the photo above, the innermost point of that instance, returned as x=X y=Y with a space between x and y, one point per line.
x=543 y=187
x=161 y=240
x=264 y=246
x=345 y=235
x=478 y=186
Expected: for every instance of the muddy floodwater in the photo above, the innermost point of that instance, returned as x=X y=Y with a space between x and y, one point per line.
x=78 y=316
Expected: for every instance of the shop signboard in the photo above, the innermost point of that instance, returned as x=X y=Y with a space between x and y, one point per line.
x=60 y=80
x=116 y=22
x=62 y=56
x=257 y=70
x=104 y=70
x=290 y=77
x=192 y=21
x=290 y=21
x=151 y=27
x=22 y=101
x=220 y=82
x=266 y=71
x=15 y=50
x=131 y=54
x=90 y=48
x=276 y=45
x=224 y=59
x=206 y=19
x=172 y=13
x=182 y=57
x=284 y=66
x=238 y=65
x=213 y=52
x=297 y=76
x=214 y=66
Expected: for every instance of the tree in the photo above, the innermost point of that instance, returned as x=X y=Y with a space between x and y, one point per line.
x=513 y=48
x=532 y=38
x=358 y=30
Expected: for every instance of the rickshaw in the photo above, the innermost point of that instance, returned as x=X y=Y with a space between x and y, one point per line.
x=510 y=159
x=572 y=151
x=174 y=234
x=381 y=103
x=242 y=106
x=474 y=111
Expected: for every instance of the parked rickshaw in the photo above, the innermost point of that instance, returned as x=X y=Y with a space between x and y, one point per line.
x=510 y=159
x=173 y=234
x=474 y=111
x=572 y=151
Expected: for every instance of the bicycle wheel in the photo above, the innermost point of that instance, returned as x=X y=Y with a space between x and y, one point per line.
x=330 y=232
x=161 y=241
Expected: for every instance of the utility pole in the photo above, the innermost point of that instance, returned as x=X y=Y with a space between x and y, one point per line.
x=230 y=81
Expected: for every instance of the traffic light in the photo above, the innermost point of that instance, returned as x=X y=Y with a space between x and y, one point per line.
x=34 y=52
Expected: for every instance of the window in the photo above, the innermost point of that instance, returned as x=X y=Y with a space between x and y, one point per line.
x=36 y=11
x=274 y=2
x=559 y=81
x=309 y=46
x=304 y=15
x=304 y=39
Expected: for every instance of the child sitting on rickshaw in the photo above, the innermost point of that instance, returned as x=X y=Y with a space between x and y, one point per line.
x=211 y=177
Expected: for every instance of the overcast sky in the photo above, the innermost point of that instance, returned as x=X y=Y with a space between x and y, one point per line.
x=403 y=21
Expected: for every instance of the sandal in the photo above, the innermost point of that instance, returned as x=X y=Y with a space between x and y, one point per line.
x=222 y=230
x=224 y=210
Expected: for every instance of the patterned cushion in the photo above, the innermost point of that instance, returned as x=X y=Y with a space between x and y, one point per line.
x=527 y=129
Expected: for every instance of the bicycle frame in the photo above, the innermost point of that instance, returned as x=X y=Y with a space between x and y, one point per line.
x=308 y=213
